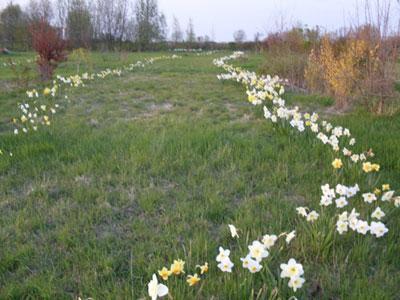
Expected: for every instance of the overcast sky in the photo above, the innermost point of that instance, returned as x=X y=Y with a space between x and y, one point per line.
x=220 y=18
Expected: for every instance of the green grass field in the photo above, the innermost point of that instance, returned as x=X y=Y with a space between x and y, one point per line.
x=139 y=170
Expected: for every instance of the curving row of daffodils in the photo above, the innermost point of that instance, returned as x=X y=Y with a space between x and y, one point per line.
x=40 y=106
x=340 y=203
x=269 y=90
x=14 y=63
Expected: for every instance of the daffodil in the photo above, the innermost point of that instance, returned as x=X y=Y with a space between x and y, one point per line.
x=254 y=266
x=369 y=197
x=341 y=202
x=193 y=279
x=178 y=267
x=156 y=289
x=302 y=211
x=223 y=254
x=312 y=216
x=385 y=187
x=342 y=226
x=164 y=273
x=258 y=251
x=337 y=163
x=377 y=191
x=296 y=283
x=367 y=167
x=226 y=265
x=233 y=230
x=291 y=269
x=246 y=261
x=378 y=229
x=269 y=240
x=290 y=236
x=203 y=268
x=46 y=91
x=378 y=213
x=387 y=196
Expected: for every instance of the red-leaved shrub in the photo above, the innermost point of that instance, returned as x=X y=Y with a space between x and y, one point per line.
x=50 y=47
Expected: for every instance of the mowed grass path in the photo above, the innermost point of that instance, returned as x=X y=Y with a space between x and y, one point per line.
x=140 y=170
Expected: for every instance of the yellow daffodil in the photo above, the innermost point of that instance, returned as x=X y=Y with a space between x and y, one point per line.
x=337 y=163
x=203 y=268
x=177 y=267
x=385 y=187
x=367 y=167
x=193 y=280
x=377 y=191
x=46 y=91
x=252 y=98
x=164 y=273
x=375 y=167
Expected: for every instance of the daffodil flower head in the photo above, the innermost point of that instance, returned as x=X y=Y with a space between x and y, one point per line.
x=193 y=279
x=177 y=267
x=291 y=269
x=164 y=273
x=156 y=289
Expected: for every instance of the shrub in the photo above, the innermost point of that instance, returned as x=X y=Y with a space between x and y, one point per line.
x=360 y=65
x=49 y=45
x=287 y=53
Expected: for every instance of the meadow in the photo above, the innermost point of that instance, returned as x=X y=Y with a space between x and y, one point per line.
x=139 y=170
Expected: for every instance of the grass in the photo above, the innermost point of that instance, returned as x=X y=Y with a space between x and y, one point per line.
x=140 y=170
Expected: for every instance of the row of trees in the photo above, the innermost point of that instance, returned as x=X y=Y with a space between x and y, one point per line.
x=97 y=23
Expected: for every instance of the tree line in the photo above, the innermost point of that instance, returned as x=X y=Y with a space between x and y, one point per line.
x=98 y=24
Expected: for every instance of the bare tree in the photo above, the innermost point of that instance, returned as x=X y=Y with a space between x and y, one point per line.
x=150 y=24
x=239 y=36
x=110 y=19
x=79 y=27
x=40 y=10
x=13 y=26
x=190 y=34
x=177 y=34
x=61 y=14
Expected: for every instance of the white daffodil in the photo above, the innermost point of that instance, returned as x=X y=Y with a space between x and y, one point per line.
x=246 y=261
x=296 y=283
x=312 y=216
x=325 y=200
x=258 y=251
x=269 y=240
x=341 y=202
x=378 y=213
x=378 y=229
x=290 y=236
x=302 y=211
x=291 y=269
x=233 y=230
x=369 y=197
x=254 y=266
x=156 y=289
x=362 y=227
x=226 y=265
x=387 y=196
x=223 y=254
x=341 y=189
x=397 y=201
x=342 y=226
